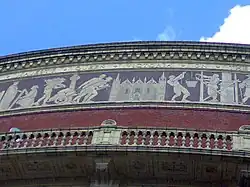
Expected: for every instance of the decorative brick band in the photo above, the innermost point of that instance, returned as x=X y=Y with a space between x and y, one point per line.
x=130 y=117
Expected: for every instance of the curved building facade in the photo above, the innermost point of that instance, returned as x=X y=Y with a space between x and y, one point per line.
x=126 y=114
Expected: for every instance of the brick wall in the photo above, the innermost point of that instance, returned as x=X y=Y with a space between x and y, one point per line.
x=198 y=119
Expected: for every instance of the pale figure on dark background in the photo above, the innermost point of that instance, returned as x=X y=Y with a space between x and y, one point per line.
x=27 y=98
x=9 y=96
x=50 y=85
x=212 y=86
x=245 y=84
x=178 y=88
x=90 y=88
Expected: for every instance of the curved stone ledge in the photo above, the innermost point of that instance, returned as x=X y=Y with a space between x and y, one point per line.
x=111 y=135
x=128 y=105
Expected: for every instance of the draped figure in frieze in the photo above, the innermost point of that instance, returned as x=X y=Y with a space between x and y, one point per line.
x=245 y=89
x=90 y=88
x=27 y=98
x=50 y=85
x=178 y=88
x=8 y=96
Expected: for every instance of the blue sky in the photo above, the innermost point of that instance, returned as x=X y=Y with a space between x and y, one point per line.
x=40 y=24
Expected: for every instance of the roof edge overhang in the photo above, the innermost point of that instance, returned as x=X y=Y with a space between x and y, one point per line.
x=160 y=45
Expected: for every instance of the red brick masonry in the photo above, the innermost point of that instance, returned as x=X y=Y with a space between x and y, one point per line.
x=197 y=119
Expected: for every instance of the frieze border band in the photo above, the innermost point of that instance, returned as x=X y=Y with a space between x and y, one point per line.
x=140 y=66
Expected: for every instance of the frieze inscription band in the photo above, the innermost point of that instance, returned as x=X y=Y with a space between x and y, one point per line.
x=158 y=86
x=125 y=67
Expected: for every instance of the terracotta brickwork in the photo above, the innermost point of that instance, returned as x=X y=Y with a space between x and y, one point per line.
x=132 y=117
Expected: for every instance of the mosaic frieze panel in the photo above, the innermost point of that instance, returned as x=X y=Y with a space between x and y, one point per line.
x=172 y=86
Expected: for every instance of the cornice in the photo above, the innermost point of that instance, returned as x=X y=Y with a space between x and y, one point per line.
x=234 y=54
x=135 y=149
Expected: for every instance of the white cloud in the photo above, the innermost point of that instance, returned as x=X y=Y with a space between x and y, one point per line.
x=167 y=35
x=235 y=29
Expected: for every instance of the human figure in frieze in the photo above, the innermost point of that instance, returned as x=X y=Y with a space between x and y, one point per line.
x=9 y=95
x=212 y=86
x=89 y=89
x=178 y=88
x=211 y=82
x=27 y=98
x=245 y=84
x=50 y=84
x=66 y=95
x=95 y=81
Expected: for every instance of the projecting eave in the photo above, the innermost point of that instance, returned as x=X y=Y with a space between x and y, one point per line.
x=136 y=55
x=203 y=46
